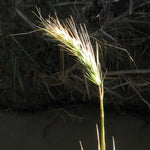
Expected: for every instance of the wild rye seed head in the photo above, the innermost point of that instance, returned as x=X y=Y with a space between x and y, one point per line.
x=77 y=42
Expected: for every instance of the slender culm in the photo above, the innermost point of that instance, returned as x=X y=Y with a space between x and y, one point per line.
x=77 y=43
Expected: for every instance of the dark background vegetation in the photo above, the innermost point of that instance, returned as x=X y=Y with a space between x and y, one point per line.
x=35 y=73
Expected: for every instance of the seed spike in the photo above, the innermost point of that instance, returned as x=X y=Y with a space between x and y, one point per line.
x=77 y=42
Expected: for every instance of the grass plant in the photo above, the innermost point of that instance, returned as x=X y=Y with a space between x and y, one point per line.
x=77 y=43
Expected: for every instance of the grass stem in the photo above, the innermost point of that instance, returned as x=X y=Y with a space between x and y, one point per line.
x=101 y=95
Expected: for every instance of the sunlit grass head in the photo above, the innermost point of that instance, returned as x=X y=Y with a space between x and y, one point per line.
x=77 y=42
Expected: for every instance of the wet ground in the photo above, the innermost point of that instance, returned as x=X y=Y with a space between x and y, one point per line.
x=57 y=129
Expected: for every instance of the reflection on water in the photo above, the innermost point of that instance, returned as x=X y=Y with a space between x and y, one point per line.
x=62 y=129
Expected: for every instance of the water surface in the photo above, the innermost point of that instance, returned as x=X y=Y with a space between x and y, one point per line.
x=61 y=129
